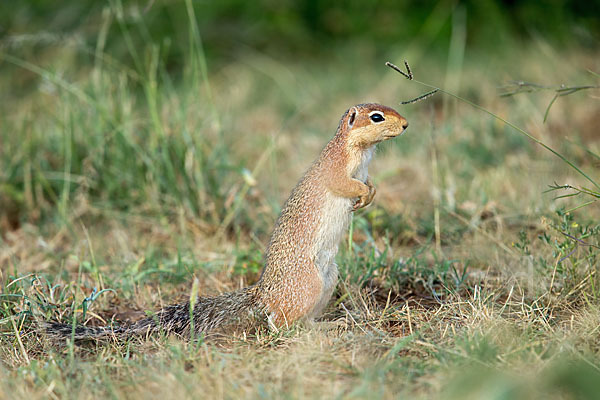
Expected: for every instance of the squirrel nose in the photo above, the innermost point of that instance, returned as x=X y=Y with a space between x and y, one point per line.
x=405 y=124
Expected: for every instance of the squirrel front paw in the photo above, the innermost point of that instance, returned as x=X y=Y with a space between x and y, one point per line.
x=366 y=199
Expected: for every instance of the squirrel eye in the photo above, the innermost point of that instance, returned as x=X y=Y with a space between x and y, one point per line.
x=377 y=117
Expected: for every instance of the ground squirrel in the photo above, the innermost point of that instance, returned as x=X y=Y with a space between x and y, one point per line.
x=300 y=273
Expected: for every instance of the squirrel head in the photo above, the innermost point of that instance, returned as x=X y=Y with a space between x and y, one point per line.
x=365 y=125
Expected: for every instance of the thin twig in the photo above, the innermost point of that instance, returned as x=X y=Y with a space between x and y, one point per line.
x=579 y=191
x=517 y=87
x=579 y=241
x=505 y=121
x=421 y=97
x=409 y=75
x=528 y=87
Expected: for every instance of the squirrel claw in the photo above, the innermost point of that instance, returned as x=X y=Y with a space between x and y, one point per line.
x=358 y=205
x=364 y=201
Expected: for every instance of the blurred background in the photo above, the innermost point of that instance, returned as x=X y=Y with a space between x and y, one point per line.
x=306 y=29
x=169 y=103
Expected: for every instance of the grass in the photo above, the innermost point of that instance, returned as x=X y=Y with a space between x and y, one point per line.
x=120 y=187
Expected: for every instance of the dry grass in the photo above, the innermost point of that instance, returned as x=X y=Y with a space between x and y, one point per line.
x=440 y=296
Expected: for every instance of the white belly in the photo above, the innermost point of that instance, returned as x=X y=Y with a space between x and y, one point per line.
x=335 y=219
x=336 y=213
x=334 y=222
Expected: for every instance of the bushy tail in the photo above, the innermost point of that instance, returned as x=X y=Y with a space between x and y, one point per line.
x=58 y=331
x=209 y=313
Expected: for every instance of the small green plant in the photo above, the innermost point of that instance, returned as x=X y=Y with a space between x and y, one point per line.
x=523 y=244
x=575 y=250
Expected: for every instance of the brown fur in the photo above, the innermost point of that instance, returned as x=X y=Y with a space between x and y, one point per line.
x=299 y=274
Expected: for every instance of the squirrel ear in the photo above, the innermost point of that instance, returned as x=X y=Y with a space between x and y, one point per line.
x=352 y=117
